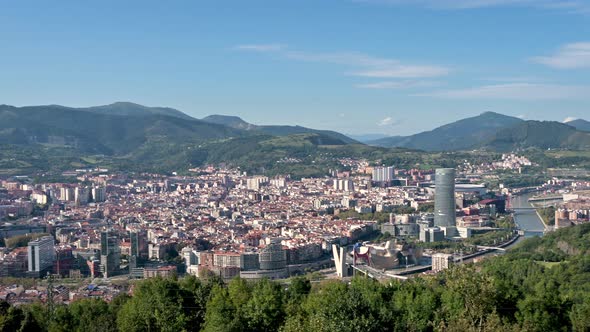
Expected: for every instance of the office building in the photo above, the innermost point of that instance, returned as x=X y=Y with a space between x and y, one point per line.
x=139 y=248
x=110 y=254
x=444 y=198
x=41 y=254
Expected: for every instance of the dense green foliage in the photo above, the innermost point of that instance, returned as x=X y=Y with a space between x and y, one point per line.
x=238 y=123
x=516 y=291
x=548 y=215
x=539 y=134
x=22 y=240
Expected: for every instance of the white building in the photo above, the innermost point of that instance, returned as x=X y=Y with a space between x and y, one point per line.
x=41 y=254
x=343 y=185
x=441 y=261
x=383 y=174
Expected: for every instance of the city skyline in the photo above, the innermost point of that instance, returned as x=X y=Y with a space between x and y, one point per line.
x=358 y=67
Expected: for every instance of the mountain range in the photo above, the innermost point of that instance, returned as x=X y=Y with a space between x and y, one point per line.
x=495 y=131
x=160 y=138
x=237 y=123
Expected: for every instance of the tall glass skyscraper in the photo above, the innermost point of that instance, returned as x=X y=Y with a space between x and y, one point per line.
x=444 y=197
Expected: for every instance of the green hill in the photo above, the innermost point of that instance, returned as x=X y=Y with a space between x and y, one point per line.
x=275 y=130
x=112 y=131
x=539 y=134
x=579 y=124
x=127 y=108
x=460 y=135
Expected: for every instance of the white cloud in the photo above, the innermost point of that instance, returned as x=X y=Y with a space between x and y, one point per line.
x=571 y=6
x=396 y=85
x=570 y=56
x=522 y=116
x=515 y=79
x=515 y=91
x=388 y=121
x=404 y=71
x=569 y=119
x=360 y=64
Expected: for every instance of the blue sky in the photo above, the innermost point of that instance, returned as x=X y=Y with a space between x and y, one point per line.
x=356 y=66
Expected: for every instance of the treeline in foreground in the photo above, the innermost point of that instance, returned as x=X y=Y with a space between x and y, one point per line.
x=543 y=285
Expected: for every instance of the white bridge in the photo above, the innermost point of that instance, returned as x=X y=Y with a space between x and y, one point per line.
x=491 y=248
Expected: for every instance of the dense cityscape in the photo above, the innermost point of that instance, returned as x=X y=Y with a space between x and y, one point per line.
x=295 y=166
x=225 y=222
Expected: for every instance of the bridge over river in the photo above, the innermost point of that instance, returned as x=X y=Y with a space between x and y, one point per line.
x=526 y=217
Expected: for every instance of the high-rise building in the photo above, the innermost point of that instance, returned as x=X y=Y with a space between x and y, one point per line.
x=81 y=195
x=98 y=194
x=66 y=194
x=444 y=197
x=343 y=185
x=383 y=174
x=110 y=254
x=139 y=248
x=41 y=254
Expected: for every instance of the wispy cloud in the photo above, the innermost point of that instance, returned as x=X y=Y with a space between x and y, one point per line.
x=359 y=64
x=570 y=56
x=260 y=47
x=515 y=79
x=397 y=85
x=571 y=6
x=515 y=91
x=387 y=121
x=569 y=119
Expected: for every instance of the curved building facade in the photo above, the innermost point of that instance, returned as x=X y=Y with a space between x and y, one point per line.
x=273 y=257
x=444 y=197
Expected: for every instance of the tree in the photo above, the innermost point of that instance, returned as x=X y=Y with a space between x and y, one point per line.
x=264 y=310
x=221 y=314
x=156 y=305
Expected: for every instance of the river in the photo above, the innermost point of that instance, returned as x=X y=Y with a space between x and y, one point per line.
x=525 y=217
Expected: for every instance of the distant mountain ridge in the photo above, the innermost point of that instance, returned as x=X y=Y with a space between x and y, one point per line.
x=579 y=124
x=111 y=129
x=132 y=109
x=539 y=134
x=275 y=130
x=124 y=126
x=459 y=135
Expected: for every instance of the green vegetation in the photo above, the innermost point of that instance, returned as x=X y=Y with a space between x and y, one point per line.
x=518 y=291
x=460 y=135
x=22 y=240
x=548 y=215
x=539 y=134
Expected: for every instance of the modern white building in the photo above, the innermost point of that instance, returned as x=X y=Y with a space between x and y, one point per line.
x=41 y=254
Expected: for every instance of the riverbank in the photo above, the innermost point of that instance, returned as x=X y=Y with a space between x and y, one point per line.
x=545 y=226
